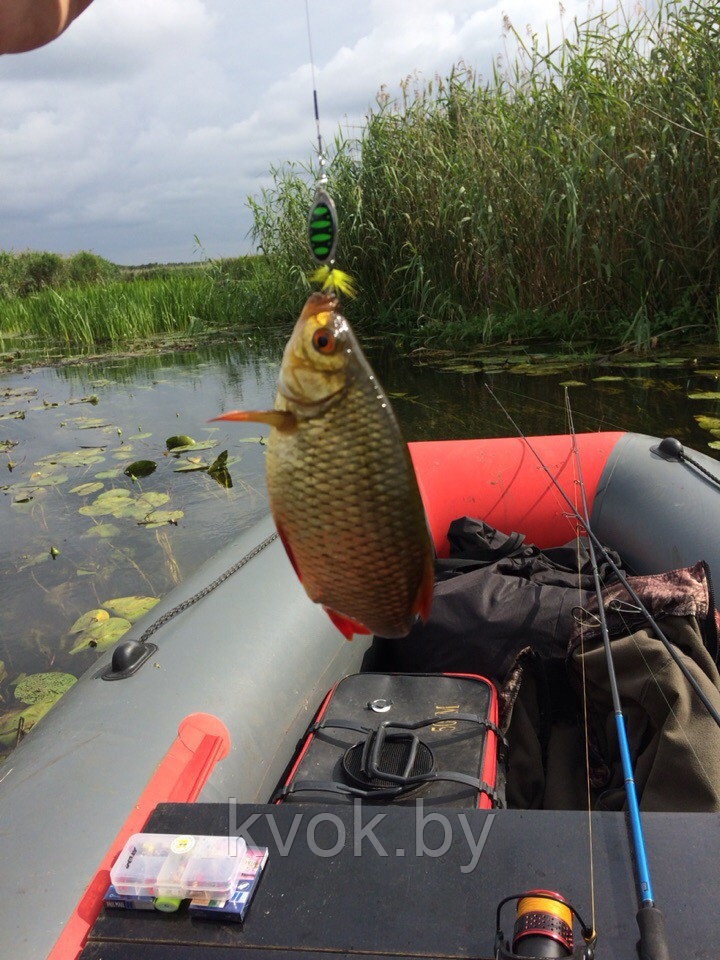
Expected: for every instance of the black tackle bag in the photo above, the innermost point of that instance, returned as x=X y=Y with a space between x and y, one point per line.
x=399 y=737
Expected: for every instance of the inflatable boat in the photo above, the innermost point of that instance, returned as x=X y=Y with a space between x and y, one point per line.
x=231 y=684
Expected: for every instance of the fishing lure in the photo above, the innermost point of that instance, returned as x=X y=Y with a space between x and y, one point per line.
x=322 y=228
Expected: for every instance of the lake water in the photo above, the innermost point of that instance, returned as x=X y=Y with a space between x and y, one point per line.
x=82 y=425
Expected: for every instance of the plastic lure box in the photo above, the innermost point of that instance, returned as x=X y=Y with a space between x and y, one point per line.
x=236 y=906
x=178 y=866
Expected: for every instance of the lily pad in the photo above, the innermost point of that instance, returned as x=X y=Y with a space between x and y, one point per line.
x=140 y=468
x=84 y=457
x=158 y=518
x=43 y=686
x=190 y=467
x=107 y=504
x=101 y=635
x=33 y=561
x=122 y=452
x=103 y=531
x=140 y=436
x=130 y=608
x=87 y=488
x=572 y=383
x=137 y=508
x=88 y=620
x=90 y=423
x=715 y=444
x=195 y=447
x=9 y=722
x=172 y=443
x=608 y=379
x=109 y=474
x=708 y=423
x=706 y=395
x=219 y=472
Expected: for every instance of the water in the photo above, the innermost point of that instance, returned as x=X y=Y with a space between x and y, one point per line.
x=103 y=556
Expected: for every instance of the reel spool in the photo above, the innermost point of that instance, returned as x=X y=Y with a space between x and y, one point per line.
x=543 y=928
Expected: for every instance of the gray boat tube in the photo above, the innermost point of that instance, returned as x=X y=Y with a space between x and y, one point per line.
x=255 y=653
x=658 y=513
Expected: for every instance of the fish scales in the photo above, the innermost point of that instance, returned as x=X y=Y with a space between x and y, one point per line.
x=341 y=484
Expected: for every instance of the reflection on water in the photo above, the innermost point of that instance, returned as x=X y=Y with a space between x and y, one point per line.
x=67 y=433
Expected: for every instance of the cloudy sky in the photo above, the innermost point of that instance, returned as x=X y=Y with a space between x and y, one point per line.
x=150 y=121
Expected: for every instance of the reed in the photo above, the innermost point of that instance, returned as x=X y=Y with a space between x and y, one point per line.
x=574 y=193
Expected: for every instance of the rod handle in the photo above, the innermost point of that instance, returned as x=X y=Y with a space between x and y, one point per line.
x=653 y=943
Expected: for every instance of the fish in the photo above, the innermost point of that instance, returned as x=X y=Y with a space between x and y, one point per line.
x=341 y=484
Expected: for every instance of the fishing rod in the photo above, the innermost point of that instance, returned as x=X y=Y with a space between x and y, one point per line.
x=605 y=554
x=653 y=942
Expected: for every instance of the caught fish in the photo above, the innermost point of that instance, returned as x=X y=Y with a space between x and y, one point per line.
x=341 y=484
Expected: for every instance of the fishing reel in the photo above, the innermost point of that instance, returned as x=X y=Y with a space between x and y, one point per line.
x=543 y=928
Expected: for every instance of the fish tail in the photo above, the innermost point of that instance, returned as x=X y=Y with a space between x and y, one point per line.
x=334 y=280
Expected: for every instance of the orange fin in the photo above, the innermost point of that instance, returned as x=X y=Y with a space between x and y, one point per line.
x=288 y=551
x=281 y=419
x=345 y=625
x=423 y=601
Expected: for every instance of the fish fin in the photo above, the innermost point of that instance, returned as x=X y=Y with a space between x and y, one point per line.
x=280 y=419
x=288 y=551
x=423 y=600
x=345 y=625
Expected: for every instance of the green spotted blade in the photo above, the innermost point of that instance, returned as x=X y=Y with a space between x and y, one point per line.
x=322 y=228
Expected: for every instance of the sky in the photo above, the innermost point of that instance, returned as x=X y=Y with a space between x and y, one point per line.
x=149 y=122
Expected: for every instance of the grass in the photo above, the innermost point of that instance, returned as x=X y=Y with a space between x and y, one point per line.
x=574 y=194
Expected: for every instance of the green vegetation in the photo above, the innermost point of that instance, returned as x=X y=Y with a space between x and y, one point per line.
x=576 y=194
x=223 y=294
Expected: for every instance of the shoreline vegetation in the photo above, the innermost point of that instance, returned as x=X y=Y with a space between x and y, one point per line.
x=573 y=196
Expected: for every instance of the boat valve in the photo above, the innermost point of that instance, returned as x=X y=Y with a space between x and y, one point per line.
x=543 y=928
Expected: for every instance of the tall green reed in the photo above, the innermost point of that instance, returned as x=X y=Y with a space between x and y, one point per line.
x=574 y=193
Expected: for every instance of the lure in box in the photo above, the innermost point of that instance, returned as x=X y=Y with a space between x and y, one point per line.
x=236 y=907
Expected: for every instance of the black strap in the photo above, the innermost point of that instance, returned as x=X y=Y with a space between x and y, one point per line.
x=330 y=786
x=359 y=728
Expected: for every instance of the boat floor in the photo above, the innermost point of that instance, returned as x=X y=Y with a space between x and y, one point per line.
x=329 y=891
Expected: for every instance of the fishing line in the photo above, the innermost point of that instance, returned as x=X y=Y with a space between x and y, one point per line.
x=321 y=155
x=643 y=874
x=616 y=570
x=586 y=726
x=653 y=942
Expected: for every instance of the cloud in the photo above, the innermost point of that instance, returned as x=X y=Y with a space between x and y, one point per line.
x=148 y=123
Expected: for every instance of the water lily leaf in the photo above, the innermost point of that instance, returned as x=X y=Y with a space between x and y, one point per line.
x=140 y=436
x=38 y=480
x=13 y=415
x=158 y=518
x=608 y=379
x=172 y=443
x=87 y=488
x=88 y=620
x=109 y=474
x=708 y=423
x=22 y=498
x=43 y=686
x=707 y=373
x=102 y=530
x=195 y=447
x=36 y=711
x=84 y=457
x=90 y=423
x=264 y=439
x=572 y=383
x=107 y=503
x=101 y=635
x=140 y=468
x=130 y=608
x=715 y=444
x=9 y=727
x=28 y=562
x=190 y=467
x=707 y=395
x=122 y=452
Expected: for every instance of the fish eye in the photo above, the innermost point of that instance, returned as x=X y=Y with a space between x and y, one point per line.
x=324 y=340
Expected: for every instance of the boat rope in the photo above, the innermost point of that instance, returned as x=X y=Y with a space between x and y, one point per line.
x=672 y=449
x=657 y=630
x=213 y=585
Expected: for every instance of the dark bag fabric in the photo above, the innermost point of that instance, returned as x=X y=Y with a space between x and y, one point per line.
x=494 y=598
x=527 y=619
x=437 y=731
